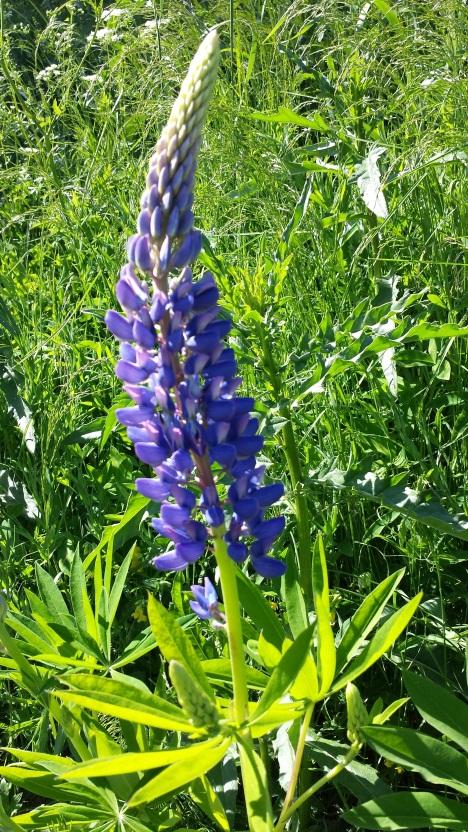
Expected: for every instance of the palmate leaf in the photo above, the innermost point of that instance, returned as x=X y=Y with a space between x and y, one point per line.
x=441 y=709
x=174 y=644
x=385 y=636
x=409 y=810
x=365 y=618
x=326 y=653
x=50 y=593
x=125 y=701
x=437 y=761
x=180 y=773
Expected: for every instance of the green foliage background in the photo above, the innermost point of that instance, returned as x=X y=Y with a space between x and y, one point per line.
x=307 y=93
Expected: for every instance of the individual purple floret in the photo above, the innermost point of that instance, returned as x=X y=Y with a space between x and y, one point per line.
x=206 y=604
x=188 y=423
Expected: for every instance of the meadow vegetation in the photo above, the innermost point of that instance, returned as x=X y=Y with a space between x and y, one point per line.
x=331 y=194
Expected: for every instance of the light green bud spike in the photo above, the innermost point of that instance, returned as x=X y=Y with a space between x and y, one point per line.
x=192 y=698
x=357 y=713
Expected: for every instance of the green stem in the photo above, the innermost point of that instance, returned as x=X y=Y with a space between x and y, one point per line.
x=227 y=574
x=353 y=751
x=296 y=769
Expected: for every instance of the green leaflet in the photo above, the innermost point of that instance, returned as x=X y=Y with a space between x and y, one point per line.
x=204 y=795
x=382 y=640
x=439 y=708
x=409 y=810
x=365 y=618
x=134 y=762
x=437 y=761
x=125 y=701
x=219 y=670
x=174 y=644
x=286 y=116
x=81 y=605
x=285 y=672
x=261 y=613
x=257 y=797
x=180 y=773
x=50 y=593
x=326 y=653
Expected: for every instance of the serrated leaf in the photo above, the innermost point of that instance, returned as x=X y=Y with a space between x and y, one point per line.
x=179 y=774
x=380 y=643
x=441 y=709
x=437 y=761
x=409 y=810
x=365 y=618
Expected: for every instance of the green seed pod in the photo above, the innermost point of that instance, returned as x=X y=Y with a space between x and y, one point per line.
x=357 y=713
x=192 y=698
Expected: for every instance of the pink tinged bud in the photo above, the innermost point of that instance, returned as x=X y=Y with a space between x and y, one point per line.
x=143 y=258
x=165 y=254
x=157 y=222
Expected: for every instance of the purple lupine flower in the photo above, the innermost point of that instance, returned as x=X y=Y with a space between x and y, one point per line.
x=206 y=604
x=188 y=423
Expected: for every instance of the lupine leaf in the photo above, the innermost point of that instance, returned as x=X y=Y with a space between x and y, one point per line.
x=219 y=670
x=286 y=116
x=409 y=810
x=134 y=762
x=257 y=797
x=437 y=761
x=439 y=708
x=285 y=672
x=50 y=593
x=359 y=778
x=124 y=701
x=179 y=774
x=203 y=794
x=174 y=644
x=258 y=609
x=365 y=618
x=326 y=653
x=380 y=643
x=81 y=604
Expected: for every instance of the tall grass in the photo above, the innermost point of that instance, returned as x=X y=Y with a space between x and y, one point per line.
x=84 y=94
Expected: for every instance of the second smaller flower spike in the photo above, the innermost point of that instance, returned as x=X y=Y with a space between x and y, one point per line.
x=188 y=423
x=206 y=604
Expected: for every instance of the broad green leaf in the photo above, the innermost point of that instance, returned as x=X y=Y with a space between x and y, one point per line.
x=409 y=810
x=388 y=10
x=285 y=672
x=441 y=709
x=174 y=644
x=203 y=794
x=259 y=610
x=45 y=784
x=45 y=818
x=286 y=116
x=136 y=649
x=385 y=715
x=134 y=762
x=28 y=629
x=50 y=593
x=123 y=700
x=179 y=774
x=380 y=643
x=437 y=761
x=81 y=604
x=256 y=791
x=359 y=778
x=8 y=824
x=326 y=653
x=365 y=618
x=278 y=714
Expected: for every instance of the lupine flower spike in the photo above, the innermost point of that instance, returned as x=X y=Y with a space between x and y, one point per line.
x=188 y=424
